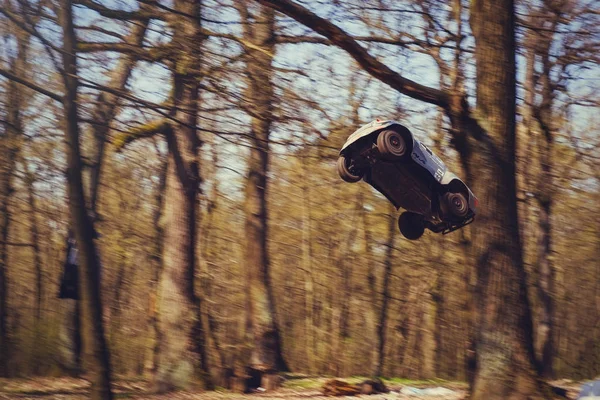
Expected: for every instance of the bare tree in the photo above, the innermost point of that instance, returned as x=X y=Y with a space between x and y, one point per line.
x=10 y=146
x=261 y=323
x=89 y=283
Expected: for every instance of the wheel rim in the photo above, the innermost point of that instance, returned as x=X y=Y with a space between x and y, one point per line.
x=458 y=204
x=392 y=144
x=351 y=168
x=396 y=144
x=347 y=171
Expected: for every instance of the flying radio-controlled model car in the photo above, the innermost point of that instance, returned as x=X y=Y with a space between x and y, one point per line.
x=386 y=155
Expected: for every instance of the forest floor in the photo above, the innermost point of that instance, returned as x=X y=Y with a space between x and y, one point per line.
x=299 y=388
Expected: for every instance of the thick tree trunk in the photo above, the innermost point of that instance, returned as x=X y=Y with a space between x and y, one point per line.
x=539 y=151
x=261 y=323
x=182 y=357
x=261 y=320
x=385 y=296
x=89 y=282
x=505 y=360
x=10 y=145
x=8 y=149
x=178 y=360
x=104 y=112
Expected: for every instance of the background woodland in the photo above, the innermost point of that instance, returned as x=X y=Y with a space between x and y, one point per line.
x=199 y=139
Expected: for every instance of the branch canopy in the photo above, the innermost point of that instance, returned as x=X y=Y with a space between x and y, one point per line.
x=376 y=68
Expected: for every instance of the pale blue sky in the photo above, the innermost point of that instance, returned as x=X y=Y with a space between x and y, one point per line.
x=327 y=71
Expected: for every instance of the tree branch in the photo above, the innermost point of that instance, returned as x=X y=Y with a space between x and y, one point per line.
x=143 y=14
x=290 y=39
x=146 y=130
x=154 y=54
x=161 y=126
x=9 y=75
x=370 y=64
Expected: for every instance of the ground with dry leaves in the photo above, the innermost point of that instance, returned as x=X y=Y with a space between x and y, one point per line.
x=293 y=388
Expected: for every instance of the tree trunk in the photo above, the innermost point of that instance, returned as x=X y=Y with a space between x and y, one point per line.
x=546 y=285
x=89 y=282
x=104 y=112
x=182 y=357
x=505 y=360
x=8 y=149
x=539 y=150
x=344 y=260
x=157 y=260
x=10 y=145
x=441 y=329
x=544 y=196
x=181 y=353
x=261 y=324
x=407 y=323
x=373 y=298
x=35 y=242
x=309 y=279
x=385 y=296
x=37 y=261
x=528 y=139
x=208 y=250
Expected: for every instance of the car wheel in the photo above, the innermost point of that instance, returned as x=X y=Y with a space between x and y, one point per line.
x=347 y=172
x=412 y=225
x=391 y=145
x=456 y=204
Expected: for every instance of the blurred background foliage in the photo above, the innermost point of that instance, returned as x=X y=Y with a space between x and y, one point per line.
x=336 y=258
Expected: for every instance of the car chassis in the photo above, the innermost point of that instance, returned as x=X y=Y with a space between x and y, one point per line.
x=386 y=155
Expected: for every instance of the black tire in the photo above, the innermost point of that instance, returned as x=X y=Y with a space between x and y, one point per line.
x=347 y=173
x=391 y=145
x=456 y=204
x=411 y=225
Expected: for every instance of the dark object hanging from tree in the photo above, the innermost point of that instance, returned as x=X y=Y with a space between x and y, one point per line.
x=69 y=283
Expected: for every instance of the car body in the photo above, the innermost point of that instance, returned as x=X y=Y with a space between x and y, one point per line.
x=386 y=155
x=590 y=391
